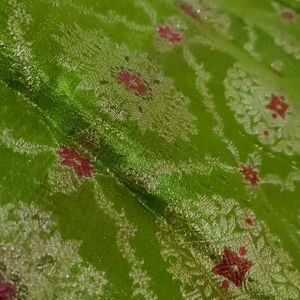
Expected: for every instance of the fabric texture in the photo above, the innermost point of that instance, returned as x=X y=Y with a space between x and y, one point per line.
x=150 y=149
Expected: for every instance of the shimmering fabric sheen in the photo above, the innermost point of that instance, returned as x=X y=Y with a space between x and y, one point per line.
x=149 y=149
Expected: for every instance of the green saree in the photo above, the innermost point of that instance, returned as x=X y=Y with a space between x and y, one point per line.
x=150 y=149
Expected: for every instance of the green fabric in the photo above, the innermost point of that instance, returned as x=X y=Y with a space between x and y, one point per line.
x=149 y=149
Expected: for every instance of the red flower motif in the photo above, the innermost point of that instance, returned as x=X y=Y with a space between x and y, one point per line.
x=73 y=159
x=225 y=284
x=242 y=251
x=278 y=106
x=188 y=10
x=250 y=175
x=249 y=221
x=233 y=267
x=133 y=82
x=7 y=291
x=166 y=33
x=288 y=15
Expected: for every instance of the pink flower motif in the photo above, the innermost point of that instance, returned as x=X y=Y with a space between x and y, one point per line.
x=278 y=106
x=233 y=267
x=250 y=175
x=71 y=158
x=188 y=10
x=288 y=15
x=166 y=33
x=133 y=82
x=7 y=291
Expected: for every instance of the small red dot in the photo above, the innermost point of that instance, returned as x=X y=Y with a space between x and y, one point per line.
x=266 y=133
x=225 y=284
x=249 y=221
x=288 y=15
x=243 y=251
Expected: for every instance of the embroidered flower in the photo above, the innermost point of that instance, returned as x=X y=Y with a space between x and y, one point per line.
x=233 y=267
x=278 y=106
x=256 y=107
x=133 y=82
x=7 y=291
x=221 y=220
x=188 y=10
x=288 y=14
x=130 y=81
x=71 y=158
x=250 y=175
x=166 y=33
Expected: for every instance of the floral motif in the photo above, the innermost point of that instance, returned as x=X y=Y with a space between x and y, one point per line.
x=288 y=15
x=278 y=106
x=242 y=251
x=133 y=82
x=195 y=232
x=36 y=260
x=233 y=267
x=71 y=158
x=225 y=284
x=170 y=35
x=166 y=33
x=282 y=38
x=252 y=102
x=129 y=80
x=250 y=175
